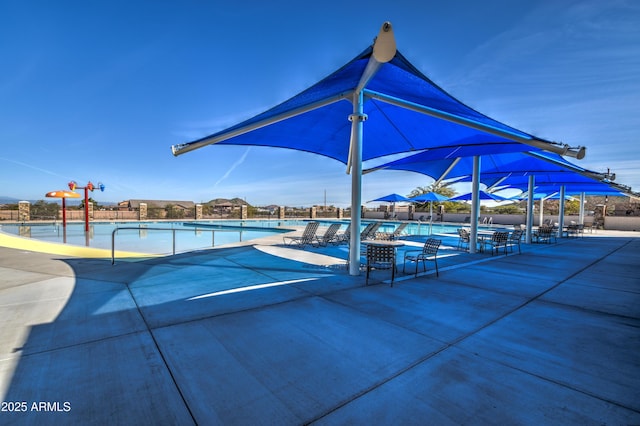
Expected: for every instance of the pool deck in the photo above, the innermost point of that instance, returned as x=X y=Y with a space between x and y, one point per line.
x=266 y=334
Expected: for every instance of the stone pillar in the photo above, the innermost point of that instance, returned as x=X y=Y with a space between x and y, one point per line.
x=24 y=211
x=143 y=211
x=412 y=210
x=281 y=212
x=90 y=205
x=243 y=211
x=313 y=212
x=198 y=212
x=340 y=212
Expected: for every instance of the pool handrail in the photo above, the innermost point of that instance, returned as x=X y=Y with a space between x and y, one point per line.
x=173 y=235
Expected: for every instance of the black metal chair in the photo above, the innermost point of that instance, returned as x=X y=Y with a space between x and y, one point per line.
x=464 y=238
x=381 y=257
x=429 y=252
x=498 y=240
x=514 y=240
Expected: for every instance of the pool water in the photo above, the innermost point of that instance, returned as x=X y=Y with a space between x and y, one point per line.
x=158 y=237
x=144 y=237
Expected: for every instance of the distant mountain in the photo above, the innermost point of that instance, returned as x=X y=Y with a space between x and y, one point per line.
x=8 y=200
x=235 y=201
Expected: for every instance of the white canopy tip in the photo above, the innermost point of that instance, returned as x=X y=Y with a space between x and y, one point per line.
x=384 y=48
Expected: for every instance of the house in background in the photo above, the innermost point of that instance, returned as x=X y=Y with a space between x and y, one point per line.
x=160 y=209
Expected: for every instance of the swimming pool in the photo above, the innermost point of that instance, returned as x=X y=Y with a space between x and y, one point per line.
x=145 y=237
x=159 y=237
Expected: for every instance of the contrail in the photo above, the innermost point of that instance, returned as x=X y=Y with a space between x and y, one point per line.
x=233 y=166
x=20 y=163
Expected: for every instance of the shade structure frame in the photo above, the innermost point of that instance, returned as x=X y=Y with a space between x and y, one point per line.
x=316 y=120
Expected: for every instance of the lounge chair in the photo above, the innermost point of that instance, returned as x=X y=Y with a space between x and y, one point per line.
x=514 y=240
x=381 y=257
x=329 y=235
x=345 y=236
x=497 y=241
x=463 y=239
x=429 y=252
x=369 y=232
x=308 y=236
x=397 y=233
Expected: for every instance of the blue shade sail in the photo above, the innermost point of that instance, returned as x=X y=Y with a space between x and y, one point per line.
x=497 y=162
x=429 y=196
x=483 y=196
x=392 y=198
x=317 y=119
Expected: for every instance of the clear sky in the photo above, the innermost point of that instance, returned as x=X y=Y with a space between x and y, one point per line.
x=100 y=90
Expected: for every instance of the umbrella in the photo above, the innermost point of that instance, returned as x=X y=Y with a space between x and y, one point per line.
x=64 y=195
x=483 y=196
x=393 y=199
x=430 y=197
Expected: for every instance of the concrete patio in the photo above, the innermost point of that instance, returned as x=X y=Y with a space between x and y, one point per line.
x=263 y=334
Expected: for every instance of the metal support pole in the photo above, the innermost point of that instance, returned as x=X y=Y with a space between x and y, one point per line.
x=357 y=118
x=64 y=213
x=86 y=209
x=530 y=205
x=561 y=212
x=582 y=201
x=475 y=205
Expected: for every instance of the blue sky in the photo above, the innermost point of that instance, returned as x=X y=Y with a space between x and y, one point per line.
x=101 y=90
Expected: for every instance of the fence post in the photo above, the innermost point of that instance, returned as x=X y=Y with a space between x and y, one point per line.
x=24 y=211
x=143 y=211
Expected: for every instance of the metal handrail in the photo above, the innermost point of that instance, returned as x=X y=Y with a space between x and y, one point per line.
x=173 y=232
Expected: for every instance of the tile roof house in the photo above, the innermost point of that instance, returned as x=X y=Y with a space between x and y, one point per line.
x=135 y=204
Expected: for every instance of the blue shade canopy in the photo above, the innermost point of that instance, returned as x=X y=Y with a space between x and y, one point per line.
x=483 y=196
x=541 y=196
x=429 y=196
x=448 y=163
x=392 y=198
x=406 y=112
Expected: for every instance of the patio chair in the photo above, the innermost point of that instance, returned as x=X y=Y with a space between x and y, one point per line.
x=463 y=239
x=329 y=235
x=369 y=232
x=397 y=233
x=544 y=234
x=514 y=240
x=497 y=241
x=381 y=257
x=308 y=236
x=429 y=253
x=345 y=236
x=575 y=229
